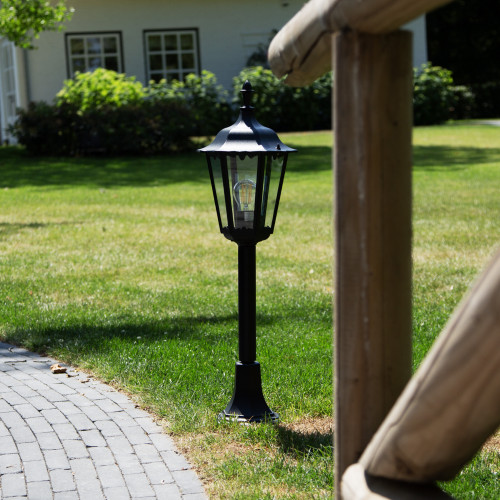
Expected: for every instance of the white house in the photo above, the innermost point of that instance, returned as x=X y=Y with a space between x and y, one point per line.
x=151 y=39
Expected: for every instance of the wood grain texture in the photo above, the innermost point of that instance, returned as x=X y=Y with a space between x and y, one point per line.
x=302 y=48
x=372 y=123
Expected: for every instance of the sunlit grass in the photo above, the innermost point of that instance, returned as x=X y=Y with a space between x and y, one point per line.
x=117 y=266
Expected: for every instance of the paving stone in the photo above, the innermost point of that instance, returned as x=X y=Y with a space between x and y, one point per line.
x=92 y=438
x=119 y=445
x=107 y=405
x=7 y=445
x=12 y=419
x=39 y=490
x=101 y=455
x=138 y=485
x=22 y=434
x=149 y=425
x=108 y=428
x=167 y=491
x=56 y=459
x=136 y=435
x=49 y=441
x=13 y=398
x=75 y=449
x=66 y=431
x=62 y=480
x=29 y=452
x=35 y=471
x=129 y=464
x=174 y=460
x=38 y=424
x=119 y=493
x=4 y=406
x=147 y=453
x=162 y=442
x=10 y=464
x=26 y=410
x=54 y=416
x=158 y=473
x=40 y=403
x=94 y=413
x=123 y=419
x=3 y=430
x=67 y=407
x=13 y=485
x=188 y=481
x=81 y=421
x=110 y=476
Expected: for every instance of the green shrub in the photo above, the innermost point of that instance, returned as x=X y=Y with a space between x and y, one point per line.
x=99 y=89
x=140 y=128
x=285 y=108
x=46 y=129
x=206 y=99
x=432 y=95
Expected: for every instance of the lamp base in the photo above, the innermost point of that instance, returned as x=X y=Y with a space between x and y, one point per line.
x=248 y=404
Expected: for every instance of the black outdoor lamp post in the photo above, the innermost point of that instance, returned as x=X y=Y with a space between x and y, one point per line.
x=247 y=162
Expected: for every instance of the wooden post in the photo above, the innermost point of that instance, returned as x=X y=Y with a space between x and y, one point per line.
x=372 y=123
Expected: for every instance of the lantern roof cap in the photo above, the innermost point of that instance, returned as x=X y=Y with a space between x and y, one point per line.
x=247 y=135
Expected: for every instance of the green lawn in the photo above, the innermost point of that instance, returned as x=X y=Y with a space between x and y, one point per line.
x=117 y=266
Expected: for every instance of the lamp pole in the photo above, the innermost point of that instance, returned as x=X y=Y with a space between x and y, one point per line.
x=247 y=163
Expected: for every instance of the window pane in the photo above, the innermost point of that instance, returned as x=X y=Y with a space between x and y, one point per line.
x=77 y=46
x=93 y=45
x=155 y=62
x=187 y=42
x=78 y=65
x=171 y=61
x=170 y=42
x=188 y=61
x=110 y=45
x=94 y=63
x=154 y=42
x=173 y=76
x=111 y=63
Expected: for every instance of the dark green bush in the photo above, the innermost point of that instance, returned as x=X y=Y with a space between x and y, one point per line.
x=206 y=99
x=285 y=108
x=141 y=128
x=432 y=95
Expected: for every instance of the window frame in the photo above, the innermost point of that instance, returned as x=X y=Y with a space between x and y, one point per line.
x=90 y=34
x=177 y=31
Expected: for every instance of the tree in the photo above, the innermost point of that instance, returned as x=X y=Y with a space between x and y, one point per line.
x=23 y=20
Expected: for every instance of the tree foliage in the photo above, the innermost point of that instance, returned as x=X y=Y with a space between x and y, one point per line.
x=23 y=20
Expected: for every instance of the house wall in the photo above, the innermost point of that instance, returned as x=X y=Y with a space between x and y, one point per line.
x=228 y=34
x=225 y=30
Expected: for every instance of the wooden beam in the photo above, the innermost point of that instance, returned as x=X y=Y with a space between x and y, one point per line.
x=302 y=48
x=452 y=404
x=358 y=485
x=372 y=123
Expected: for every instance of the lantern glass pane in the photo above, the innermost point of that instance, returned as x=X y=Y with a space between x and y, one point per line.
x=242 y=175
x=216 y=167
x=272 y=175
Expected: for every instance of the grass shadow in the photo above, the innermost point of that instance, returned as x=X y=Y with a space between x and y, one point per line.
x=435 y=158
x=306 y=440
x=18 y=169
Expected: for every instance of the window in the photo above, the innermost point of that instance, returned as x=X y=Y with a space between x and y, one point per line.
x=88 y=51
x=171 y=54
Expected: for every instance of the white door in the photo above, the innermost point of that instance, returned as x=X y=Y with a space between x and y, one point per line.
x=8 y=87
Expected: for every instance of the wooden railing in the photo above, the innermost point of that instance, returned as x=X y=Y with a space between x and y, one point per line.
x=452 y=403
